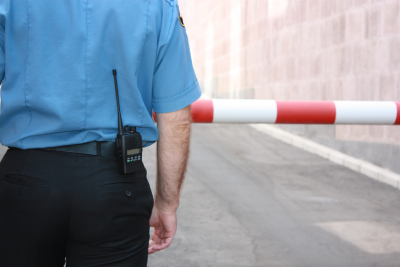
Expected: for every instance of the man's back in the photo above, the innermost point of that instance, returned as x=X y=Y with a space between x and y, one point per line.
x=58 y=87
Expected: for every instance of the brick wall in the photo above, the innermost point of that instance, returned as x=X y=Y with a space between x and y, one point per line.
x=299 y=50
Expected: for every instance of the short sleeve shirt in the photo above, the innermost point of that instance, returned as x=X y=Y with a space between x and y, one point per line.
x=56 y=62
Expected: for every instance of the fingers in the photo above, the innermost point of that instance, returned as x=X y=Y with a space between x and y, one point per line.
x=152 y=243
x=160 y=244
x=157 y=248
x=155 y=239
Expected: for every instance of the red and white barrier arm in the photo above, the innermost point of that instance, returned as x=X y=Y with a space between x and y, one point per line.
x=296 y=112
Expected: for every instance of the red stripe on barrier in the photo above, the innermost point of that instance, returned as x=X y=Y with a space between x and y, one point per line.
x=315 y=112
x=203 y=111
x=154 y=117
x=398 y=113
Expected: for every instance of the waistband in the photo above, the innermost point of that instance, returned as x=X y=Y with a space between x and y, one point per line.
x=107 y=149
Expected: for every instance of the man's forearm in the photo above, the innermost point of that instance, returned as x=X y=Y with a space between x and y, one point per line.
x=172 y=157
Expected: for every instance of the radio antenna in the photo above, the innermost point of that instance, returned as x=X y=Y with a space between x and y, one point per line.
x=119 y=110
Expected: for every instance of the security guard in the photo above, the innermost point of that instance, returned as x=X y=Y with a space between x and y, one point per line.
x=61 y=195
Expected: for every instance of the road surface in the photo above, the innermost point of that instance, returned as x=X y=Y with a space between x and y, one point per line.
x=250 y=200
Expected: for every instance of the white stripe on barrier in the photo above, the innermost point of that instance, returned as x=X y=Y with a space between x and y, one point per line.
x=244 y=111
x=365 y=112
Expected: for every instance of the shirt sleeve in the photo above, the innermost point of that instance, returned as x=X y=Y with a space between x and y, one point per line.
x=175 y=84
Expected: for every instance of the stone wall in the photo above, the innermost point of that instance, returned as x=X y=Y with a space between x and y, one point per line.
x=303 y=50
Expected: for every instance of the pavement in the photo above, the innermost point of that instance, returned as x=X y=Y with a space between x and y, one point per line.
x=251 y=200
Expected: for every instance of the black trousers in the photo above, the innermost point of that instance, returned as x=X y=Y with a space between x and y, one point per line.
x=57 y=205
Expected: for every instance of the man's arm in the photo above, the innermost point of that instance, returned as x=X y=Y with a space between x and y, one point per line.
x=172 y=157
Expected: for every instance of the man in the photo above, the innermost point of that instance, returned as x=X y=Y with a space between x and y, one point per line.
x=61 y=195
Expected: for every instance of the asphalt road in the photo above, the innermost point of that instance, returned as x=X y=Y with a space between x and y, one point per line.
x=250 y=200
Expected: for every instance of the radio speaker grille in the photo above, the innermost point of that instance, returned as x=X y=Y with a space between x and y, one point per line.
x=134 y=142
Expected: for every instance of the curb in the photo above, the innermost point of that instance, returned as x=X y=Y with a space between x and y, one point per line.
x=368 y=169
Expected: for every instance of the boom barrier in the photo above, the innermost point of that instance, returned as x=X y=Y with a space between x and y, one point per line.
x=295 y=112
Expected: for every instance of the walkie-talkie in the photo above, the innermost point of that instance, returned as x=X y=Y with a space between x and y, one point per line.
x=128 y=143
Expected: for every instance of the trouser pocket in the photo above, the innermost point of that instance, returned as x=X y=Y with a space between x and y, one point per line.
x=21 y=187
x=22 y=180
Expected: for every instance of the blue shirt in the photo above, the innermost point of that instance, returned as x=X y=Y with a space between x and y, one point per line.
x=57 y=58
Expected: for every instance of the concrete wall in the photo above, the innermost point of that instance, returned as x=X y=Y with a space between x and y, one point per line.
x=303 y=50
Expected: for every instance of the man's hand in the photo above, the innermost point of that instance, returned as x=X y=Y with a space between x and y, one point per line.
x=164 y=224
x=172 y=157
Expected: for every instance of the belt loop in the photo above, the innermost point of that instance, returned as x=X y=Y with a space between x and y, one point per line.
x=98 y=146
